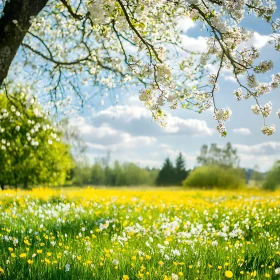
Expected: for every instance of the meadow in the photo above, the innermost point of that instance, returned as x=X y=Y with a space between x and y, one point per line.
x=139 y=234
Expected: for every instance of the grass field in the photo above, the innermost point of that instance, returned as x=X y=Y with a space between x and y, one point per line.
x=139 y=234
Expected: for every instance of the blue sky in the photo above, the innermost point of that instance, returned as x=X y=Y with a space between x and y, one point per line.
x=129 y=133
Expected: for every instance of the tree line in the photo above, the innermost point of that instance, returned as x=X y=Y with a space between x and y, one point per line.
x=116 y=174
x=102 y=173
x=36 y=151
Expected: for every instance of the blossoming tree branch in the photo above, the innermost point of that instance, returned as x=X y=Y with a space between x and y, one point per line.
x=114 y=43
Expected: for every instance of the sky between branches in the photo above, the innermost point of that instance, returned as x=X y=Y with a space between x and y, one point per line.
x=129 y=133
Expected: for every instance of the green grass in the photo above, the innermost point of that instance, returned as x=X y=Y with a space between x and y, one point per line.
x=151 y=234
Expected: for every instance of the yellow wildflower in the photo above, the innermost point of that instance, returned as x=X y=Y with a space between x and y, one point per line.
x=228 y=274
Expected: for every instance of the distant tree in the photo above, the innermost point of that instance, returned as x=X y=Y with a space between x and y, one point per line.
x=104 y=161
x=97 y=175
x=272 y=178
x=153 y=174
x=167 y=174
x=257 y=176
x=180 y=170
x=71 y=136
x=116 y=174
x=135 y=175
x=82 y=173
x=214 y=155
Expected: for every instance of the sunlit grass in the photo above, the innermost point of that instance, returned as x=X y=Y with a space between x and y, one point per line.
x=139 y=234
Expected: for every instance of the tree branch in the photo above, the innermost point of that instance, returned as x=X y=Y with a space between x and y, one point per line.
x=70 y=10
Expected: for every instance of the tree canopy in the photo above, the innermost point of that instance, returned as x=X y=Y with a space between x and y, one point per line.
x=117 y=174
x=31 y=150
x=214 y=155
x=66 y=45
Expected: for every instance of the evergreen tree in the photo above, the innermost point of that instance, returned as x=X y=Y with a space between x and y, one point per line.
x=180 y=170
x=167 y=174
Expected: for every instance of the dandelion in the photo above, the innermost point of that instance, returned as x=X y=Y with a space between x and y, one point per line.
x=228 y=274
x=125 y=277
x=23 y=255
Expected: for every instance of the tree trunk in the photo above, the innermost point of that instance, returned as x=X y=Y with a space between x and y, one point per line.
x=25 y=184
x=11 y=35
x=2 y=186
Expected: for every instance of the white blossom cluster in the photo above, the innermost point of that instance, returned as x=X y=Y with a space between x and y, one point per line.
x=111 y=44
x=21 y=118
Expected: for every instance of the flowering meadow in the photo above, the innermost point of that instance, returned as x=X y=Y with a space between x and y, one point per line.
x=139 y=234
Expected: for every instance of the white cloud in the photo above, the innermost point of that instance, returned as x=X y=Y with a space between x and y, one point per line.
x=264 y=162
x=194 y=44
x=258 y=40
x=187 y=126
x=242 y=131
x=125 y=113
x=137 y=120
x=266 y=148
x=184 y=24
x=191 y=43
x=263 y=154
x=105 y=137
x=230 y=78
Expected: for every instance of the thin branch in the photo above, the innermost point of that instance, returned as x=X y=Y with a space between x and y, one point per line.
x=147 y=44
x=70 y=10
